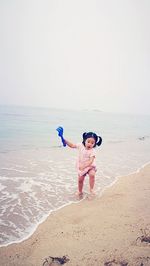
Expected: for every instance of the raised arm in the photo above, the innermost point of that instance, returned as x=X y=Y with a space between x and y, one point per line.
x=71 y=145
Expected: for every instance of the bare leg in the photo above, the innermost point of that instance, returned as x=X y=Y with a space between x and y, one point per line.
x=80 y=184
x=91 y=180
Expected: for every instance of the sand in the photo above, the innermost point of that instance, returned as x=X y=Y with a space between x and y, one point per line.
x=94 y=232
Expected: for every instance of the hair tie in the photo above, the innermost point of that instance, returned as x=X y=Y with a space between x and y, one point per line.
x=99 y=142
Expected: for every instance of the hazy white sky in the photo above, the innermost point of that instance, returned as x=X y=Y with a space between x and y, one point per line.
x=76 y=54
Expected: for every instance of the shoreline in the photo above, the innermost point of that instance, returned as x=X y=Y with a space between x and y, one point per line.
x=70 y=203
x=118 y=215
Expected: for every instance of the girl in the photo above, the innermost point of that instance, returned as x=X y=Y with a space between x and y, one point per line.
x=86 y=159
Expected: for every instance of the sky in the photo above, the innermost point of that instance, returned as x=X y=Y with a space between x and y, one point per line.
x=82 y=54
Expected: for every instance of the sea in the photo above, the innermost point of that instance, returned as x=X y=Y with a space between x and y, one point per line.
x=38 y=175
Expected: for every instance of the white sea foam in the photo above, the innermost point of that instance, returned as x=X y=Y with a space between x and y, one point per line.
x=13 y=169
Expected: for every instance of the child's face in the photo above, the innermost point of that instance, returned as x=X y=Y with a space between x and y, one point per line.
x=89 y=143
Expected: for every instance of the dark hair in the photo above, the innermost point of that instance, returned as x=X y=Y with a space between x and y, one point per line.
x=98 y=139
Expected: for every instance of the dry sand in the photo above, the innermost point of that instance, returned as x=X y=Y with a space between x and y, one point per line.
x=101 y=231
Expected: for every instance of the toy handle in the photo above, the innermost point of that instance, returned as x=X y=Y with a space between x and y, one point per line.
x=63 y=141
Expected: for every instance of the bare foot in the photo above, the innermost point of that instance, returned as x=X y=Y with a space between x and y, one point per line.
x=79 y=195
x=92 y=193
x=91 y=196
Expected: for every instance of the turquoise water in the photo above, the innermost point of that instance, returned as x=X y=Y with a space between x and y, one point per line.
x=38 y=175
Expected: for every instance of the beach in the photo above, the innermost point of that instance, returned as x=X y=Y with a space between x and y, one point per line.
x=105 y=230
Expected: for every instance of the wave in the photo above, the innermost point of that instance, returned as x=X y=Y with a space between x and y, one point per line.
x=115 y=141
x=15 y=115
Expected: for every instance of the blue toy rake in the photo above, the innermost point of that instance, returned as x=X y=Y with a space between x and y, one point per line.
x=60 y=134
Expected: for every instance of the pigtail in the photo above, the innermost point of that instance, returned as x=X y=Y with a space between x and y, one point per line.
x=84 y=135
x=99 y=142
x=84 y=138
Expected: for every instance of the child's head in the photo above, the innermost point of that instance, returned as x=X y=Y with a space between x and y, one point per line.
x=90 y=140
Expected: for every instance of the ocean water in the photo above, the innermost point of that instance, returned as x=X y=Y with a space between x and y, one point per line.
x=38 y=175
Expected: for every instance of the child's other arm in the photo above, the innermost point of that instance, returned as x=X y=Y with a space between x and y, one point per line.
x=71 y=145
x=87 y=163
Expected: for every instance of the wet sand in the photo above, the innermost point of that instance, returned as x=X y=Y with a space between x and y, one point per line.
x=94 y=232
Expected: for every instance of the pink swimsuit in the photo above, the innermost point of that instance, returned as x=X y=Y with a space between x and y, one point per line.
x=85 y=155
